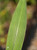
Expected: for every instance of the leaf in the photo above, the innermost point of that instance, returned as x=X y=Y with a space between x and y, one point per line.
x=17 y=28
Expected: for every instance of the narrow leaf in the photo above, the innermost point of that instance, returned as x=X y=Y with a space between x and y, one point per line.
x=17 y=28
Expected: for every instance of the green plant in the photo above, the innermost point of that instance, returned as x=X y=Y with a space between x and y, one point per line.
x=17 y=28
x=5 y=16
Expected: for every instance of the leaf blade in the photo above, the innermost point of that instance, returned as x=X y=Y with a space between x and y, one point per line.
x=15 y=27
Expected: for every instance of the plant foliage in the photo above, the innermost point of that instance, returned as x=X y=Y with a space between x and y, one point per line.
x=17 y=28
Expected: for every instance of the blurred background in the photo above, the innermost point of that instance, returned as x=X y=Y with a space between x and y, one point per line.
x=7 y=8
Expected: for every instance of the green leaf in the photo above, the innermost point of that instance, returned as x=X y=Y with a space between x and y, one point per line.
x=17 y=28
